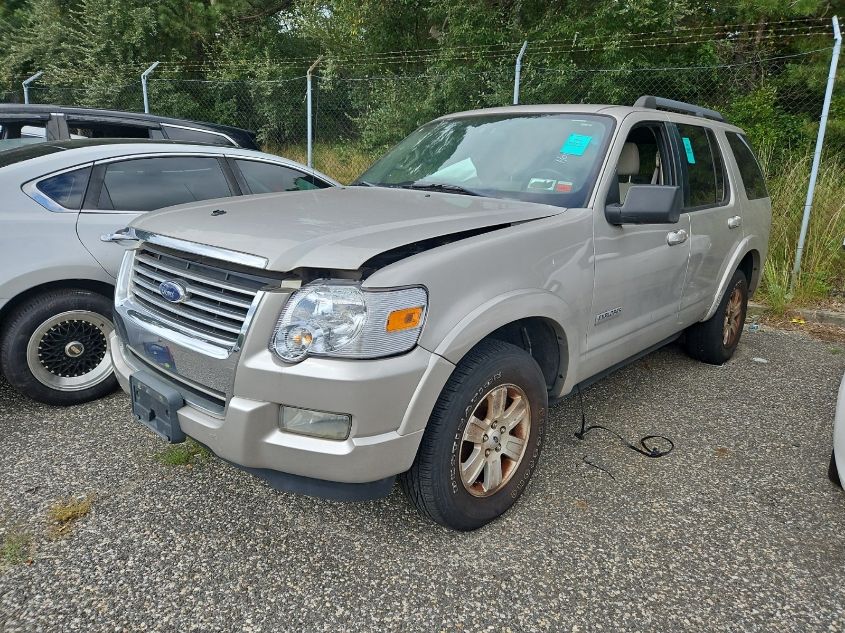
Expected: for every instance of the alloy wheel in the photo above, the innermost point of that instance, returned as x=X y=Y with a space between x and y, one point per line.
x=494 y=440
x=733 y=318
x=70 y=352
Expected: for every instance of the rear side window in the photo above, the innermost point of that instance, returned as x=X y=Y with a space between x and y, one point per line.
x=263 y=177
x=749 y=168
x=66 y=189
x=703 y=166
x=145 y=184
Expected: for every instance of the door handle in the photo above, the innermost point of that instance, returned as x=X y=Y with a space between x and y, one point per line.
x=673 y=238
x=122 y=235
x=735 y=222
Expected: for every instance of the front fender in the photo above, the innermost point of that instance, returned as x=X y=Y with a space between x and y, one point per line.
x=507 y=308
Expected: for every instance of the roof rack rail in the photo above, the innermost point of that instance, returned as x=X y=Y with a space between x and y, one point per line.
x=659 y=103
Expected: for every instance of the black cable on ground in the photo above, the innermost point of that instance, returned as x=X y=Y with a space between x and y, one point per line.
x=646 y=445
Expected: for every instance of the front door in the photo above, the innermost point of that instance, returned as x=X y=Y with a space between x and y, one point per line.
x=640 y=270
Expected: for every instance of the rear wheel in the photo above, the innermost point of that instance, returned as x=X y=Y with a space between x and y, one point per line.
x=482 y=443
x=715 y=340
x=55 y=348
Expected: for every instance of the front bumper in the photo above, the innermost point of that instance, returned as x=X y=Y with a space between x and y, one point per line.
x=389 y=401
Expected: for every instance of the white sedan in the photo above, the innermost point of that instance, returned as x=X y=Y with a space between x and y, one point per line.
x=57 y=198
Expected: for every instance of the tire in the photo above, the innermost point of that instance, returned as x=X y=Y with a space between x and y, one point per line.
x=714 y=341
x=833 y=471
x=54 y=348
x=493 y=372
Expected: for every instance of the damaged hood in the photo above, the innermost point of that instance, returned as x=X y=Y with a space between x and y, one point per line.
x=338 y=227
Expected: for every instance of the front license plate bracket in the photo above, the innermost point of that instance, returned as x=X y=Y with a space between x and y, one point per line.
x=155 y=405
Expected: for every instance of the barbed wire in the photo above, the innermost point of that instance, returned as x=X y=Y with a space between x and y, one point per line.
x=470 y=55
x=229 y=81
x=541 y=45
x=568 y=41
x=764 y=60
x=793 y=29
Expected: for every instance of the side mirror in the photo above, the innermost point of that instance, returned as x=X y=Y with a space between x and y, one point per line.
x=647 y=204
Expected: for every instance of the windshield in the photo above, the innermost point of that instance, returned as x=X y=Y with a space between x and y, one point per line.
x=548 y=158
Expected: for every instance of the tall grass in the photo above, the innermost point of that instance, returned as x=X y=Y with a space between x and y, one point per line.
x=342 y=161
x=822 y=263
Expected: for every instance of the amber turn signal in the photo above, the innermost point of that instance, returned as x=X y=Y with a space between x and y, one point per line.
x=406 y=319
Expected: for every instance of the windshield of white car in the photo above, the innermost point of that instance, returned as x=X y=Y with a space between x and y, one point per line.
x=548 y=158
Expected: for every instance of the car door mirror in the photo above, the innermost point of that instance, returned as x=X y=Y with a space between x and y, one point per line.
x=647 y=204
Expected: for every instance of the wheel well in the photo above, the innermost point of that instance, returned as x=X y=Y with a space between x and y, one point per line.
x=99 y=287
x=543 y=339
x=750 y=266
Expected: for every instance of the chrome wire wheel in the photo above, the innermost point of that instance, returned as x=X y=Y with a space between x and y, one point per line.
x=70 y=351
x=494 y=440
x=733 y=318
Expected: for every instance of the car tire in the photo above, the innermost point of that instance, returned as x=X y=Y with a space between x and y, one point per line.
x=54 y=348
x=714 y=341
x=833 y=471
x=445 y=482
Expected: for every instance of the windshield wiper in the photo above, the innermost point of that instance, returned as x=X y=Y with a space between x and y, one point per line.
x=363 y=183
x=439 y=186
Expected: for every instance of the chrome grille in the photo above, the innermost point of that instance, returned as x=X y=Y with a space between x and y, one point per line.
x=219 y=297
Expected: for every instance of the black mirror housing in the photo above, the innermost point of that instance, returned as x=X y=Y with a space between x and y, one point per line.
x=647 y=204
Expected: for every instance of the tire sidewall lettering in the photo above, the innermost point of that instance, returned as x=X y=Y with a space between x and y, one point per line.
x=516 y=486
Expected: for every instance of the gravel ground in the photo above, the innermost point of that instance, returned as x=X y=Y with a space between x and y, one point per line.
x=737 y=529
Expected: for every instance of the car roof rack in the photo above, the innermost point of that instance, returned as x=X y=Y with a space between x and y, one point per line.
x=659 y=103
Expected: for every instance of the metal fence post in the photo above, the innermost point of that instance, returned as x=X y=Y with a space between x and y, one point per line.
x=814 y=171
x=26 y=83
x=310 y=131
x=518 y=72
x=144 y=76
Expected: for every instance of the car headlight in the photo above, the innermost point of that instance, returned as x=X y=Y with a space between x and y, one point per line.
x=343 y=320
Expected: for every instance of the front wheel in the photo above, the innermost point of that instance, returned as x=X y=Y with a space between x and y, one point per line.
x=55 y=349
x=483 y=440
x=714 y=341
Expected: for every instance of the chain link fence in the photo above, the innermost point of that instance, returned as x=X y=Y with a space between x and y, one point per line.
x=777 y=100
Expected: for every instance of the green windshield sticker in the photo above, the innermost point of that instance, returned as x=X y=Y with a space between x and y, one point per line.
x=688 y=148
x=576 y=144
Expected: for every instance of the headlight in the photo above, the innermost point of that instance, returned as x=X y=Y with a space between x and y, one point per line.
x=344 y=320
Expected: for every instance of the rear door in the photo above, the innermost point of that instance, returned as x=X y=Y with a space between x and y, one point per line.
x=714 y=212
x=121 y=189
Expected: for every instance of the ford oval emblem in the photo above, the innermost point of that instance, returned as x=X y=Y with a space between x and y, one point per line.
x=173 y=291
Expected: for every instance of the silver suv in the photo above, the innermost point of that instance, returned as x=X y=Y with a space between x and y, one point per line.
x=418 y=324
